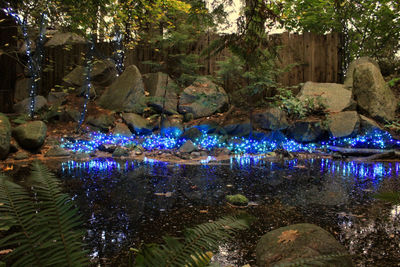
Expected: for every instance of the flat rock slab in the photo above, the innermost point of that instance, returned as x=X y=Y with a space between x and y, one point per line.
x=336 y=97
x=344 y=124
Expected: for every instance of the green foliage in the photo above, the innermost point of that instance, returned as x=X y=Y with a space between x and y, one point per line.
x=192 y=249
x=392 y=197
x=393 y=81
x=370 y=28
x=393 y=125
x=296 y=108
x=41 y=222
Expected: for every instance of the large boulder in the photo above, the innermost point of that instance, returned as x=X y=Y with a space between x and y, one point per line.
x=57 y=98
x=301 y=243
x=30 y=135
x=103 y=122
x=5 y=136
x=137 y=124
x=306 y=131
x=344 y=124
x=126 y=93
x=348 y=82
x=22 y=88
x=369 y=125
x=65 y=38
x=24 y=105
x=372 y=94
x=203 y=98
x=271 y=119
x=103 y=74
x=160 y=84
x=334 y=95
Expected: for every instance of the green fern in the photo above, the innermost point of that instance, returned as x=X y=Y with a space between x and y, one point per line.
x=42 y=222
x=192 y=250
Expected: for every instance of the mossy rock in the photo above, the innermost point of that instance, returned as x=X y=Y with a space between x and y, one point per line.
x=238 y=200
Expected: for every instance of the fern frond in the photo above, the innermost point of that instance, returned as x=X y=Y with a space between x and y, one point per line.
x=59 y=214
x=42 y=222
x=17 y=210
x=191 y=250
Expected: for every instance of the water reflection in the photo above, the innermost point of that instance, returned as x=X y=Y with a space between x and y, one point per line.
x=121 y=199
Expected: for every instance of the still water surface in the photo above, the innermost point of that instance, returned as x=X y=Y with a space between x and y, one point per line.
x=127 y=203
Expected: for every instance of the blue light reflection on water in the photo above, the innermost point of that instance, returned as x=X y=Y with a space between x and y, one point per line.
x=126 y=190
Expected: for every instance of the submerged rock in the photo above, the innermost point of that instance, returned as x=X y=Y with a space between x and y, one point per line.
x=301 y=243
x=238 y=200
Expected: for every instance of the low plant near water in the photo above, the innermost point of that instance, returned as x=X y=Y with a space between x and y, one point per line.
x=38 y=223
x=297 y=108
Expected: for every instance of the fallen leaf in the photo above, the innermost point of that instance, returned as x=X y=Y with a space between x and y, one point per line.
x=8 y=168
x=203 y=211
x=288 y=236
x=5 y=251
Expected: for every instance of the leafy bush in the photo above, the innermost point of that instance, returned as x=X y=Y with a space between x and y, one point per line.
x=296 y=108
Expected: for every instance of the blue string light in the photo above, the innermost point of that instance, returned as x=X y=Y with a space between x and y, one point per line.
x=236 y=145
x=34 y=61
x=88 y=83
x=119 y=52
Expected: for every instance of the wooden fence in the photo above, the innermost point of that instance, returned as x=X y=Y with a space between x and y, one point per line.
x=317 y=58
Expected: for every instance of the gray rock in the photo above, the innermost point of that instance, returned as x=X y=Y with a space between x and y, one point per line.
x=372 y=94
x=348 y=82
x=188 y=147
x=336 y=97
x=172 y=125
x=122 y=129
x=344 y=123
x=203 y=98
x=21 y=155
x=30 y=135
x=369 y=125
x=306 y=131
x=158 y=84
x=70 y=115
x=57 y=151
x=24 y=105
x=103 y=73
x=271 y=119
x=239 y=129
x=22 y=89
x=103 y=122
x=57 y=98
x=126 y=93
x=294 y=243
x=137 y=124
x=191 y=134
x=76 y=77
x=120 y=152
x=64 y=38
x=195 y=154
x=5 y=136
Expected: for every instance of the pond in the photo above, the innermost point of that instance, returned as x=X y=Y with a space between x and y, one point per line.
x=127 y=203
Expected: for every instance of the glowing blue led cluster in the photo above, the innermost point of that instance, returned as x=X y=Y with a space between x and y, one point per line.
x=374 y=139
x=236 y=145
x=161 y=142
